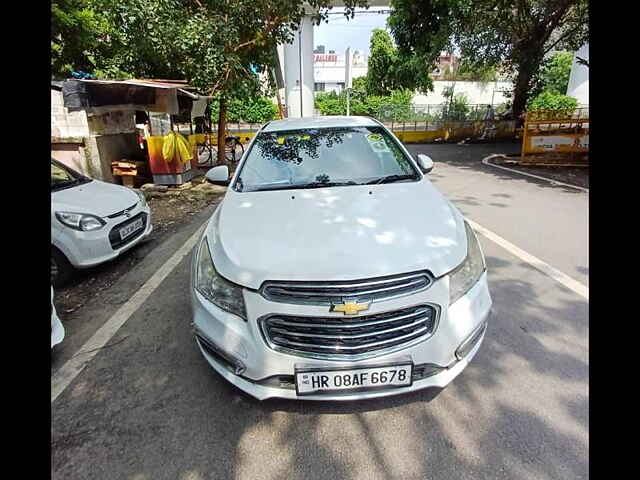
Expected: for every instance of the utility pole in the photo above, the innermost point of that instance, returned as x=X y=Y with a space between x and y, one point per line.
x=347 y=75
x=300 y=60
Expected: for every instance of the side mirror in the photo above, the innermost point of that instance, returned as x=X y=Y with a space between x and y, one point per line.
x=425 y=163
x=218 y=175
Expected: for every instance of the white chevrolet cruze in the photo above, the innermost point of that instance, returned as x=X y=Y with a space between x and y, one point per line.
x=334 y=270
x=91 y=221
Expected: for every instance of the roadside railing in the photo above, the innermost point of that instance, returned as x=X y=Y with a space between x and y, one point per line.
x=435 y=117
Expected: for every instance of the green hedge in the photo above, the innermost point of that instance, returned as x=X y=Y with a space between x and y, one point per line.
x=550 y=100
x=247 y=110
x=398 y=103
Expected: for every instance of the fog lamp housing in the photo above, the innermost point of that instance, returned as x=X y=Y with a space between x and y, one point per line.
x=468 y=343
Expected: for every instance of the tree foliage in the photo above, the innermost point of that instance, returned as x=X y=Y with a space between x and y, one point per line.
x=550 y=100
x=75 y=29
x=554 y=74
x=389 y=70
x=360 y=103
x=472 y=73
x=219 y=46
x=515 y=34
x=247 y=109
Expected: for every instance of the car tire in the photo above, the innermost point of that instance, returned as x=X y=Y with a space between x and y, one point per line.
x=61 y=269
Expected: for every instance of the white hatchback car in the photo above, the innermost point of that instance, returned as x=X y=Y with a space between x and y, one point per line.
x=334 y=270
x=91 y=221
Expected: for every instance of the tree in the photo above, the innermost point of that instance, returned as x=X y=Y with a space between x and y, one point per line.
x=389 y=70
x=382 y=60
x=219 y=46
x=74 y=29
x=516 y=34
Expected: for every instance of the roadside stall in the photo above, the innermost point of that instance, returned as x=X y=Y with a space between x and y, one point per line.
x=153 y=150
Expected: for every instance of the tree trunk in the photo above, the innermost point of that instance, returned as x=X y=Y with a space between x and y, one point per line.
x=527 y=68
x=222 y=127
x=521 y=91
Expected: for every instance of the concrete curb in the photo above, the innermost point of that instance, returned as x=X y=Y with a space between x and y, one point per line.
x=485 y=161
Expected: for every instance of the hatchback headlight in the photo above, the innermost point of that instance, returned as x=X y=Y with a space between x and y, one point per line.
x=469 y=272
x=80 y=221
x=216 y=289
x=143 y=199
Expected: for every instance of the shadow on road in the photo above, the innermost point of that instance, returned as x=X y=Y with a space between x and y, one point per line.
x=470 y=156
x=151 y=408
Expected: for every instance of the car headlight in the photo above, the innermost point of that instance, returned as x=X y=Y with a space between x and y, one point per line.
x=468 y=273
x=80 y=221
x=218 y=290
x=143 y=199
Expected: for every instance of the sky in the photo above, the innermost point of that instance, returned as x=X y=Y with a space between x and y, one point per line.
x=341 y=33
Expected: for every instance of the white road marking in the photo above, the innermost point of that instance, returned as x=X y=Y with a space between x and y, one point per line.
x=535 y=262
x=554 y=182
x=72 y=368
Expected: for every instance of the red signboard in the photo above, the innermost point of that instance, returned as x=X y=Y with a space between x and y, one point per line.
x=325 y=58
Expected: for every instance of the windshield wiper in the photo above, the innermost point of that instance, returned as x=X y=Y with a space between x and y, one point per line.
x=307 y=185
x=391 y=178
x=65 y=183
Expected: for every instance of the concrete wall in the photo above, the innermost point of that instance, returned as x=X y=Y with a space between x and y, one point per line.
x=66 y=124
x=117 y=147
x=89 y=144
x=111 y=123
x=476 y=92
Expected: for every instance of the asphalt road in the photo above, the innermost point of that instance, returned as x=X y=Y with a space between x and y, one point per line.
x=149 y=407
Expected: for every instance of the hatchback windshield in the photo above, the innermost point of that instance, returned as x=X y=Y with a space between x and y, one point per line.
x=64 y=177
x=324 y=157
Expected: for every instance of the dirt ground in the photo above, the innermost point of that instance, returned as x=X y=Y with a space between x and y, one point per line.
x=578 y=176
x=169 y=211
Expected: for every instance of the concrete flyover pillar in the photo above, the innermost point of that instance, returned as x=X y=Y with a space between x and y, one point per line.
x=302 y=46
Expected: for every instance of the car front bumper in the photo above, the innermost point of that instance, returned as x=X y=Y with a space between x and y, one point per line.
x=236 y=349
x=87 y=249
x=57 y=330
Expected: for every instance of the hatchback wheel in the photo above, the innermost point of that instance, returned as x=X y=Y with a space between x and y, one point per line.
x=61 y=269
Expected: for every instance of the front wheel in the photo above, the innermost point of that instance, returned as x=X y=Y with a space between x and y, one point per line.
x=61 y=269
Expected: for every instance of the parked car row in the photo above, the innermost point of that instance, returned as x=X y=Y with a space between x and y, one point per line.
x=332 y=269
x=92 y=222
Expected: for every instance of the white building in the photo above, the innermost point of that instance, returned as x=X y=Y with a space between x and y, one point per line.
x=578 y=86
x=329 y=70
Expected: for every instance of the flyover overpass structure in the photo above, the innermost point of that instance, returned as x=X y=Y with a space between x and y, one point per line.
x=296 y=60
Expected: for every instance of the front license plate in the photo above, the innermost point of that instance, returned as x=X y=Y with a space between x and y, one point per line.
x=131 y=228
x=318 y=381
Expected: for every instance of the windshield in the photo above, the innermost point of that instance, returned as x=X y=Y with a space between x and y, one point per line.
x=324 y=157
x=64 y=177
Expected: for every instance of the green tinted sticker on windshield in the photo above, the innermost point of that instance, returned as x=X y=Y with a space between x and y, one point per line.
x=282 y=140
x=377 y=143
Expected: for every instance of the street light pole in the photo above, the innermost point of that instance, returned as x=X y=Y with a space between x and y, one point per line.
x=300 y=60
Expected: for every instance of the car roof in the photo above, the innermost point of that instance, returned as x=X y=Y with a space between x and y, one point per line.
x=319 y=122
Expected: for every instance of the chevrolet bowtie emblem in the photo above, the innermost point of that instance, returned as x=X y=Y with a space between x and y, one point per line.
x=350 y=308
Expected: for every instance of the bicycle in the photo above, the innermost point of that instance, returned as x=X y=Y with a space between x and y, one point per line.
x=208 y=151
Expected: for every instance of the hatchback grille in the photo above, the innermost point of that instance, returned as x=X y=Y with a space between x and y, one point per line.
x=349 y=338
x=114 y=234
x=325 y=293
x=122 y=212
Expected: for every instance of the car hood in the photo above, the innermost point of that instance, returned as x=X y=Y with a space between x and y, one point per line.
x=95 y=197
x=338 y=233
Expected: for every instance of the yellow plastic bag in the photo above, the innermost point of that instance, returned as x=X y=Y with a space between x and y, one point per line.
x=176 y=147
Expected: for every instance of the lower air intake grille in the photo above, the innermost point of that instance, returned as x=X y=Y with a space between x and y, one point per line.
x=349 y=338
